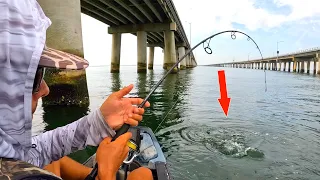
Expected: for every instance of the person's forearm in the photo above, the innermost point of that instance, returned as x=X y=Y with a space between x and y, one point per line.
x=53 y=145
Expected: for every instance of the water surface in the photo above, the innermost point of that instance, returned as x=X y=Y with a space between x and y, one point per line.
x=267 y=135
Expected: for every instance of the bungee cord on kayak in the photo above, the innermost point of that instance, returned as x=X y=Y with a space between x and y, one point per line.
x=126 y=127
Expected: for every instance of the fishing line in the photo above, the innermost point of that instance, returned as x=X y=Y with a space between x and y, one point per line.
x=166 y=115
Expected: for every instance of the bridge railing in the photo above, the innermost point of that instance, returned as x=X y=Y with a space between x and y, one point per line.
x=290 y=54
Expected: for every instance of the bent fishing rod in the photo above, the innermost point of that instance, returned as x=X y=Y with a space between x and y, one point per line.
x=125 y=127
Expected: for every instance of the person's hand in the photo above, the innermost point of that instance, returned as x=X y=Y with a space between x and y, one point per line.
x=110 y=155
x=118 y=110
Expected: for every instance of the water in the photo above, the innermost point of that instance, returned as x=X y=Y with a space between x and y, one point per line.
x=267 y=135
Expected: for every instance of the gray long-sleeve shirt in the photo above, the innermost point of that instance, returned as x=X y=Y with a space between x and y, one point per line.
x=53 y=145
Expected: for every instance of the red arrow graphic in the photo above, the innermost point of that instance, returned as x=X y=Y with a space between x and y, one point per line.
x=224 y=100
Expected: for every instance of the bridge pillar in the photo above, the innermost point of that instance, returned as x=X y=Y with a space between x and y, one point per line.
x=279 y=65
x=65 y=33
x=294 y=65
x=315 y=66
x=142 y=52
x=318 y=59
x=298 y=66
x=115 y=53
x=169 y=51
x=289 y=66
x=151 y=58
x=188 y=61
x=302 y=67
x=182 y=52
x=284 y=66
x=269 y=65
x=308 y=67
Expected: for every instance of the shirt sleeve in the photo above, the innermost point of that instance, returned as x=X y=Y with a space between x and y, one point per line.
x=53 y=145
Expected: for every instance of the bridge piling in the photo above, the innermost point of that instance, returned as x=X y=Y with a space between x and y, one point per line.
x=188 y=61
x=318 y=59
x=182 y=52
x=169 y=51
x=308 y=67
x=289 y=66
x=151 y=58
x=67 y=87
x=142 y=52
x=294 y=65
x=314 y=66
x=302 y=66
x=115 y=53
x=284 y=66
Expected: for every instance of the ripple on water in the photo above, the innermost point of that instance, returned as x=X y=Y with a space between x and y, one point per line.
x=224 y=140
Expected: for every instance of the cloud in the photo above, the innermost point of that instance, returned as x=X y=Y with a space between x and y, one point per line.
x=208 y=15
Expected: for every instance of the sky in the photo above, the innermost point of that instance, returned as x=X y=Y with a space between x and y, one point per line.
x=295 y=24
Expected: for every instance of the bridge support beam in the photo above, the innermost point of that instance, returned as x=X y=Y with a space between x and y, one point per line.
x=302 y=67
x=182 y=52
x=308 y=67
x=151 y=58
x=115 y=53
x=151 y=27
x=65 y=33
x=289 y=66
x=142 y=52
x=284 y=66
x=169 y=51
x=298 y=66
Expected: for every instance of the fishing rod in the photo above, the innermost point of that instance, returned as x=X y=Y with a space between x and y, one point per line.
x=125 y=127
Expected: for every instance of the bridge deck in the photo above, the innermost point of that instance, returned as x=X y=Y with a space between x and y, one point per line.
x=130 y=12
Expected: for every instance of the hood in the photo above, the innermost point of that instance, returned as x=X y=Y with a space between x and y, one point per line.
x=23 y=28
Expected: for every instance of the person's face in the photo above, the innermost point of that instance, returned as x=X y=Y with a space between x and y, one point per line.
x=40 y=88
x=43 y=91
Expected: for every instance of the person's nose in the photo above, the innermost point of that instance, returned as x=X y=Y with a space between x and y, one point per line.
x=43 y=89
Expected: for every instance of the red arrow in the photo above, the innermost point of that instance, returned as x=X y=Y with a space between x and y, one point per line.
x=224 y=100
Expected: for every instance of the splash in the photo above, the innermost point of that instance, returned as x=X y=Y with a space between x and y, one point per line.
x=226 y=141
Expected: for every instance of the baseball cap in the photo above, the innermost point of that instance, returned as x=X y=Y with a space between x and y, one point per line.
x=54 y=58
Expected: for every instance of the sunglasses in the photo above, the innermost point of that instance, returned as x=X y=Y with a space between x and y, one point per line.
x=38 y=79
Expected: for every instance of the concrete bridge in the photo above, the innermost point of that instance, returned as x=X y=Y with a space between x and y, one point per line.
x=299 y=61
x=155 y=23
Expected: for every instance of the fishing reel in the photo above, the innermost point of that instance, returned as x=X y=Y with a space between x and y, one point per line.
x=134 y=146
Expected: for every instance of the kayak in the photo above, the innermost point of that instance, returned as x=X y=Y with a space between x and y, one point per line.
x=150 y=156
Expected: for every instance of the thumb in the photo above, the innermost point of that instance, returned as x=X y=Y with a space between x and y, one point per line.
x=106 y=140
x=124 y=91
x=124 y=138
